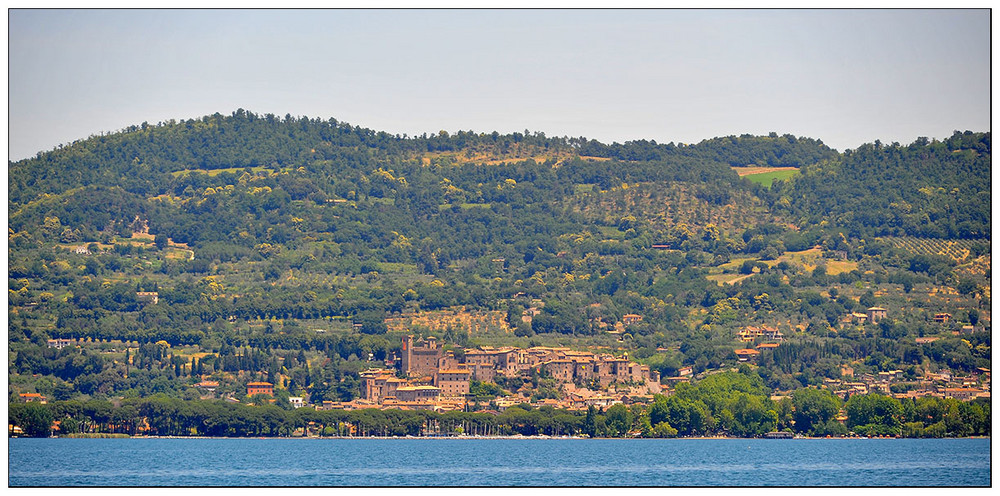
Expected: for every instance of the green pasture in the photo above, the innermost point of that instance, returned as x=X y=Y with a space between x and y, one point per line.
x=767 y=178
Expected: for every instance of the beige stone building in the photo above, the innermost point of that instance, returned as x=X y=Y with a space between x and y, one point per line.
x=419 y=360
x=417 y=393
x=602 y=369
x=453 y=382
x=378 y=384
x=876 y=314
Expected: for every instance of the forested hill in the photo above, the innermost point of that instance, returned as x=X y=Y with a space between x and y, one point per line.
x=329 y=159
x=925 y=189
x=138 y=157
x=938 y=190
x=265 y=236
x=736 y=151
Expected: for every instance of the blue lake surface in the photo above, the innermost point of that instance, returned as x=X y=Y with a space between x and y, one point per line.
x=499 y=462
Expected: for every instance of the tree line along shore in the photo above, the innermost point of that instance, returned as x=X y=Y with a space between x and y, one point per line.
x=731 y=404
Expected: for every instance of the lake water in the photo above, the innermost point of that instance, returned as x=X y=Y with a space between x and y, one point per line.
x=499 y=462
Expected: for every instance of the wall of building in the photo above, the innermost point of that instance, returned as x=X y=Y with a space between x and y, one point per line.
x=420 y=360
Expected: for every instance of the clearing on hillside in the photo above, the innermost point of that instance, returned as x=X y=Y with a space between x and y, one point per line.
x=810 y=258
x=216 y=172
x=728 y=273
x=766 y=175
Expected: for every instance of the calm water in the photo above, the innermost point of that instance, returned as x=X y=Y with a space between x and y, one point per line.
x=498 y=462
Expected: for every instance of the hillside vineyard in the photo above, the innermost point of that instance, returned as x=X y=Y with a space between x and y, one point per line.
x=255 y=275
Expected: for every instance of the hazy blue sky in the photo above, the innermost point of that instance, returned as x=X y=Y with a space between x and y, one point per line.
x=844 y=76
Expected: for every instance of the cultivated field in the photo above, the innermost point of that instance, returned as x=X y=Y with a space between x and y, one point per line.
x=958 y=249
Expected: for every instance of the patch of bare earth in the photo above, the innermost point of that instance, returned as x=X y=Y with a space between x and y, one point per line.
x=746 y=171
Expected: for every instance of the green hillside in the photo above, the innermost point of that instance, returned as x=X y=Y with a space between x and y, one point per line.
x=312 y=239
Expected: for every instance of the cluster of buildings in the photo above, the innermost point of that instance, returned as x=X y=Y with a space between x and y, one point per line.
x=873 y=315
x=432 y=378
x=940 y=385
x=60 y=343
x=750 y=334
x=32 y=398
x=767 y=337
x=208 y=387
x=936 y=385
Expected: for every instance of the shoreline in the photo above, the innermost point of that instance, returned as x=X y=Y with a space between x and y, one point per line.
x=516 y=437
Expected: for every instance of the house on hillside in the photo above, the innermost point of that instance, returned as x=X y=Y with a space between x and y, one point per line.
x=260 y=388
x=32 y=398
x=750 y=334
x=60 y=343
x=147 y=297
x=876 y=314
x=890 y=376
x=746 y=354
x=207 y=386
x=631 y=318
